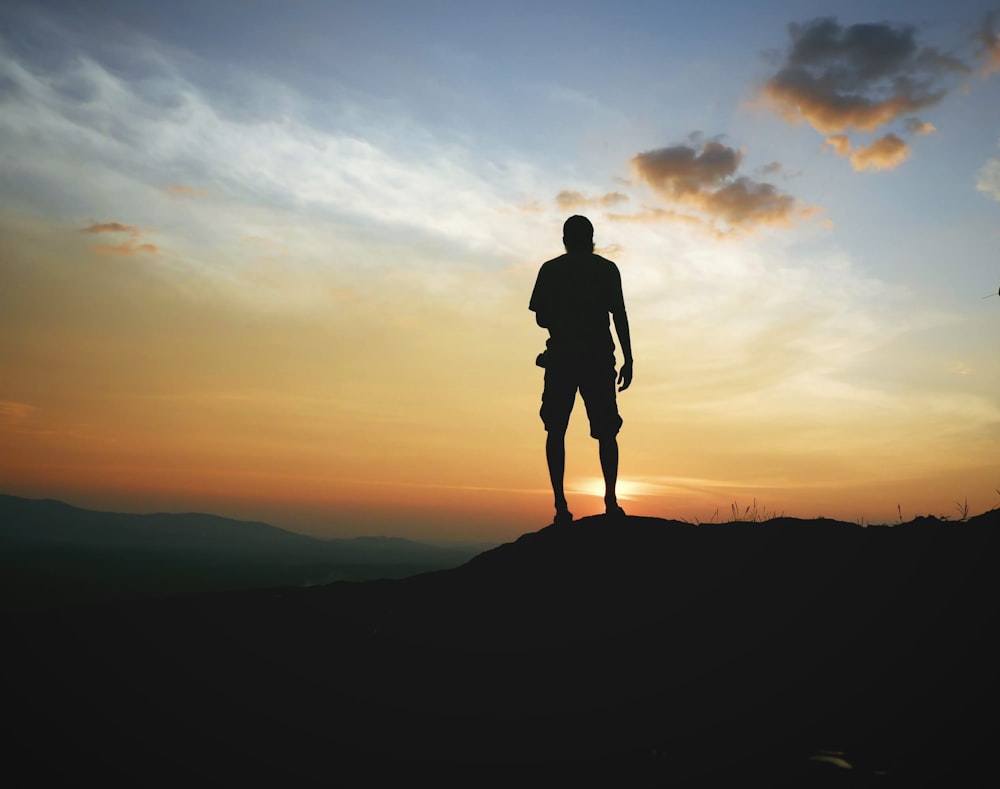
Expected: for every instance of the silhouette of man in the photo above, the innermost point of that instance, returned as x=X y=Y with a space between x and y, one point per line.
x=573 y=295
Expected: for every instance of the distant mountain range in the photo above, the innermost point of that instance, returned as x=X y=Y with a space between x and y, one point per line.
x=637 y=652
x=52 y=553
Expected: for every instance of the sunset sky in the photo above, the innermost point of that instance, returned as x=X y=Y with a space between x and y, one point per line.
x=273 y=260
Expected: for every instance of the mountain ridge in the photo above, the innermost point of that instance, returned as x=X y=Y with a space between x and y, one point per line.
x=13 y=507
x=53 y=553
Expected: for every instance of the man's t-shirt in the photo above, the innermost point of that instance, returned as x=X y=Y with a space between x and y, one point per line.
x=573 y=295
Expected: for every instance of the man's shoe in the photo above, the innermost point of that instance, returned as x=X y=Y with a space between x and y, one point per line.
x=563 y=516
x=614 y=511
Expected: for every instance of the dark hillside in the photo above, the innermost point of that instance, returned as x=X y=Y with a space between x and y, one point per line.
x=795 y=653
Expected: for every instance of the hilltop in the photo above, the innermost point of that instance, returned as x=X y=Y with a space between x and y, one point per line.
x=644 y=651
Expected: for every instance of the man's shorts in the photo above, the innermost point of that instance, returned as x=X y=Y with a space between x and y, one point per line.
x=595 y=379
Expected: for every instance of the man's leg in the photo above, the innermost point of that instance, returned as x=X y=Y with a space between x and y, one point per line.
x=555 y=454
x=598 y=390
x=608 y=450
x=557 y=405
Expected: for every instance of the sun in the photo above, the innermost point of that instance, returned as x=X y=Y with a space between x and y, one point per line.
x=625 y=489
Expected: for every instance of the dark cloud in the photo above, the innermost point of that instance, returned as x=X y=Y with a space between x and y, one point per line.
x=744 y=201
x=706 y=179
x=681 y=169
x=859 y=77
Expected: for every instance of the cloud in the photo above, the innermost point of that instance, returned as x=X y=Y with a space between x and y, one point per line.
x=744 y=201
x=110 y=227
x=569 y=199
x=988 y=181
x=13 y=412
x=885 y=153
x=185 y=191
x=654 y=214
x=706 y=179
x=843 y=80
x=988 y=38
x=136 y=130
x=125 y=248
x=840 y=143
x=681 y=169
x=857 y=77
x=917 y=126
x=130 y=246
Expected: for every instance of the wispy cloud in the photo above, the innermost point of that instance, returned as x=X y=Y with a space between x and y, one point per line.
x=13 y=412
x=185 y=191
x=136 y=132
x=653 y=214
x=126 y=248
x=569 y=199
x=988 y=181
x=110 y=227
x=131 y=245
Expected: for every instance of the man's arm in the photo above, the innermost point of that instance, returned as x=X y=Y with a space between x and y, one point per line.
x=539 y=303
x=625 y=341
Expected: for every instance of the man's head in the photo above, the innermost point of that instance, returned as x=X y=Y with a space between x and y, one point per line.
x=578 y=234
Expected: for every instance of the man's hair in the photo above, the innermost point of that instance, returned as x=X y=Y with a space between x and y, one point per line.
x=578 y=234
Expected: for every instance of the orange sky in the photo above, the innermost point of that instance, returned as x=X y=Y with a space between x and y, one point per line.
x=267 y=284
x=359 y=410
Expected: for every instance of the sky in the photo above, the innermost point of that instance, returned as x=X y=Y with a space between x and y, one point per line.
x=273 y=260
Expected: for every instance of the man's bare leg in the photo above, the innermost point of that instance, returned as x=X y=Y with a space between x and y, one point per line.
x=608 y=449
x=555 y=454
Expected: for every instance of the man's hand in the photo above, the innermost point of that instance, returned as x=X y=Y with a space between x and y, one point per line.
x=625 y=376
